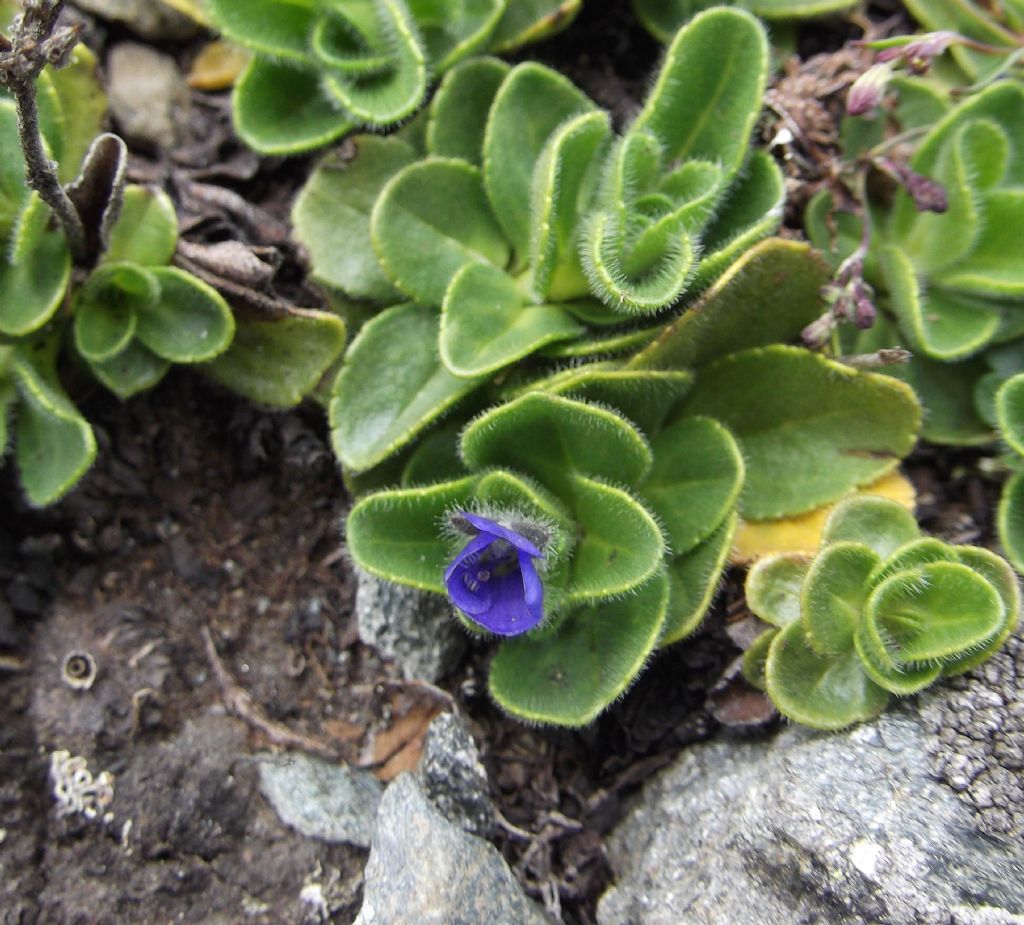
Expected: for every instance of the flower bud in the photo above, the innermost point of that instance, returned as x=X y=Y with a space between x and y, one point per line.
x=867 y=90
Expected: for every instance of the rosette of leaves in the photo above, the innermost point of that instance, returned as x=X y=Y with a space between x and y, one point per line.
x=879 y=610
x=663 y=17
x=950 y=286
x=639 y=469
x=320 y=68
x=524 y=233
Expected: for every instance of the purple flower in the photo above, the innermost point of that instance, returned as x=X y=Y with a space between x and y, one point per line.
x=493 y=579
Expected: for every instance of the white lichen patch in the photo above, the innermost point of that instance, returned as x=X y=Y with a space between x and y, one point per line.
x=75 y=789
x=866 y=855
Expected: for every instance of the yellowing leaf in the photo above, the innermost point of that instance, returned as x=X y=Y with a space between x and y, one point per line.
x=218 y=65
x=802 y=534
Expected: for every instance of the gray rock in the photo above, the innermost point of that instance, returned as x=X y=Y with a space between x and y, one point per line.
x=148 y=96
x=452 y=776
x=414 y=628
x=152 y=19
x=320 y=800
x=423 y=870
x=913 y=819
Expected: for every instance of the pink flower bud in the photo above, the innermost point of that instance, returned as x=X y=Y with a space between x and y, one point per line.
x=868 y=89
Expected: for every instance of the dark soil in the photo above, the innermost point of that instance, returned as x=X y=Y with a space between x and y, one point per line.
x=201 y=566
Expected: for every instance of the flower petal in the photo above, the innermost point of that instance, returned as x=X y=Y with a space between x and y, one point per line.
x=533 y=588
x=486 y=525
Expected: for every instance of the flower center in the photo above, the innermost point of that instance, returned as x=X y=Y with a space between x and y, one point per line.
x=496 y=561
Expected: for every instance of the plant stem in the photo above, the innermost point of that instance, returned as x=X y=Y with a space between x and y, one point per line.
x=31 y=47
x=40 y=171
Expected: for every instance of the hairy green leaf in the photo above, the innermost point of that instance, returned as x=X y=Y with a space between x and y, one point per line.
x=810 y=429
x=774 y=587
x=567 y=679
x=189 y=323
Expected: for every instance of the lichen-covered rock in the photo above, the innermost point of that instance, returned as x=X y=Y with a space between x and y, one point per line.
x=319 y=799
x=977 y=740
x=913 y=819
x=453 y=777
x=424 y=870
x=414 y=628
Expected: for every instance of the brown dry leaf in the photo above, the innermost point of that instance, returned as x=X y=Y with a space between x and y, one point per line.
x=398 y=746
x=217 y=66
x=342 y=730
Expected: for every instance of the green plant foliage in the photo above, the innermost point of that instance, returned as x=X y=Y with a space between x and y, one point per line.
x=663 y=17
x=949 y=285
x=124 y=314
x=320 y=68
x=487 y=217
x=642 y=520
x=879 y=611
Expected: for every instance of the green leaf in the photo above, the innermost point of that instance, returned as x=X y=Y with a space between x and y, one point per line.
x=527 y=21
x=944 y=389
x=620 y=545
x=555 y=438
x=695 y=577
x=332 y=215
x=106 y=308
x=569 y=678
x=926 y=240
x=485 y=325
x=461 y=105
x=774 y=587
x=833 y=596
x=279 y=362
x=766 y=297
x=1011 y=520
x=396 y=534
x=132 y=370
x=531 y=103
x=146 y=231
x=431 y=220
x=755 y=659
x=939 y=610
x=993 y=266
x=54 y=444
x=452 y=31
x=708 y=94
x=392 y=386
x=998 y=573
x=663 y=17
x=809 y=429
x=634 y=274
x=695 y=480
x=13 y=191
x=878 y=523
x=922 y=551
x=435 y=457
x=751 y=211
x=189 y=323
x=940 y=324
x=643 y=396
x=35 y=276
x=1001 y=103
x=1010 y=412
x=279 y=28
x=824 y=692
x=283 y=110
x=83 y=106
x=563 y=181
x=390 y=95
